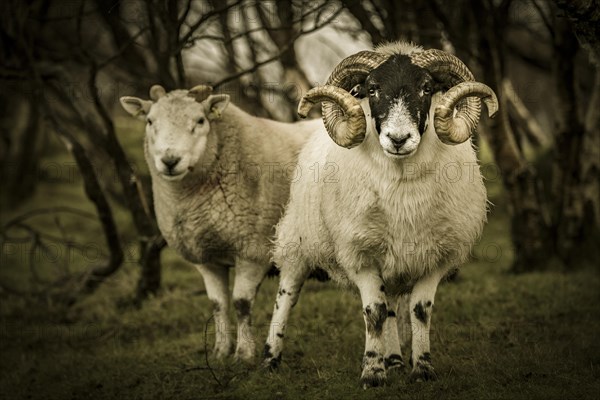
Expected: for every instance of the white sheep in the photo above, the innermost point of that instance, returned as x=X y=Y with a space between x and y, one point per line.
x=403 y=209
x=220 y=180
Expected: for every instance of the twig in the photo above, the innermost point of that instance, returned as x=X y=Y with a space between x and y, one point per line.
x=281 y=51
x=200 y=21
x=544 y=18
x=50 y=210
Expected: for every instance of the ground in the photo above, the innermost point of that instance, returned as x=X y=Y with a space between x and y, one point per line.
x=495 y=335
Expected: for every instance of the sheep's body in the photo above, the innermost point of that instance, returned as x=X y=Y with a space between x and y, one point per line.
x=408 y=218
x=231 y=207
x=220 y=179
x=391 y=227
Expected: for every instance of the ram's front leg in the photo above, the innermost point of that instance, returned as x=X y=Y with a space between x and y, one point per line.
x=292 y=277
x=248 y=276
x=372 y=293
x=216 y=282
x=421 y=307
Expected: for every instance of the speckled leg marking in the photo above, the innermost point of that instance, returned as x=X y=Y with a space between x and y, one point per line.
x=216 y=281
x=393 y=354
x=248 y=277
x=421 y=306
x=372 y=293
x=290 y=284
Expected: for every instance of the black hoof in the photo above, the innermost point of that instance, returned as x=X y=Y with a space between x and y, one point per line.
x=394 y=361
x=422 y=372
x=270 y=361
x=373 y=378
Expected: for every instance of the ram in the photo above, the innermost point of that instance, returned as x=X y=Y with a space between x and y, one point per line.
x=220 y=182
x=408 y=204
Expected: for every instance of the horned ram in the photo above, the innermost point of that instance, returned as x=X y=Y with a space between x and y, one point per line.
x=406 y=205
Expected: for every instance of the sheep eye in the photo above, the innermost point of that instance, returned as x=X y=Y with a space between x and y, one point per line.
x=371 y=92
x=149 y=121
x=427 y=89
x=200 y=121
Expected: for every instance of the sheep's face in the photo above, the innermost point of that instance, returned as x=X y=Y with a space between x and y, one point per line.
x=177 y=131
x=399 y=97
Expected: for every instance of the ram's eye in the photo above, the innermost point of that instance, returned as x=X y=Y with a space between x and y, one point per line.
x=149 y=121
x=372 y=91
x=427 y=89
x=200 y=121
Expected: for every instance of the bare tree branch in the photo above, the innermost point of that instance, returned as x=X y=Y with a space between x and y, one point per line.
x=282 y=50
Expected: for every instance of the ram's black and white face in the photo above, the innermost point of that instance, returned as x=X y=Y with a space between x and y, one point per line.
x=399 y=97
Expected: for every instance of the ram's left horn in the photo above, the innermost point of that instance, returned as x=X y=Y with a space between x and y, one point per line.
x=457 y=129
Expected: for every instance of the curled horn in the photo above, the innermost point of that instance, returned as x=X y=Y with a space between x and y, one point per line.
x=343 y=117
x=200 y=92
x=453 y=130
x=448 y=69
x=346 y=122
x=156 y=92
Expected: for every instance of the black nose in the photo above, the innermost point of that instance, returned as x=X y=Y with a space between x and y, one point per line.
x=399 y=141
x=170 y=161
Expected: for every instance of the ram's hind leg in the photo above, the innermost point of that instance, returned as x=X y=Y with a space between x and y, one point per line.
x=216 y=281
x=421 y=307
x=393 y=353
x=248 y=277
x=372 y=293
x=292 y=277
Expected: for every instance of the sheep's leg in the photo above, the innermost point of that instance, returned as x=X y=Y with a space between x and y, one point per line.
x=248 y=277
x=216 y=281
x=421 y=307
x=403 y=320
x=291 y=280
x=372 y=293
x=393 y=353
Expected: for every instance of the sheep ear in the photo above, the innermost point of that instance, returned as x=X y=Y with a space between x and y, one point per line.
x=215 y=105
x=136 y=106
x=156 y=92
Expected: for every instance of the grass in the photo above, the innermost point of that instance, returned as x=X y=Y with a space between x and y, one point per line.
x=495 y=335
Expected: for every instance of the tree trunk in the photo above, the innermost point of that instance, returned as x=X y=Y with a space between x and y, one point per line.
x=150 y=278
x=585 y=18
x=23 y=138
x=530 y=233
x=576 y=167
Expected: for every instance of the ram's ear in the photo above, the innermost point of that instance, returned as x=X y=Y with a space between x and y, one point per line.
x=215 y=105
x=135 y=106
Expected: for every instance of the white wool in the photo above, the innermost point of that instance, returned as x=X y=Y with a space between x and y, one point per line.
x=244 y=195
x=391 y=48
x=218 y=203
x=408 y=217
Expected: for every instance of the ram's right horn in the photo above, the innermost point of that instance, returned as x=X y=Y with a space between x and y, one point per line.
x=342 y=115
x=346 y=123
